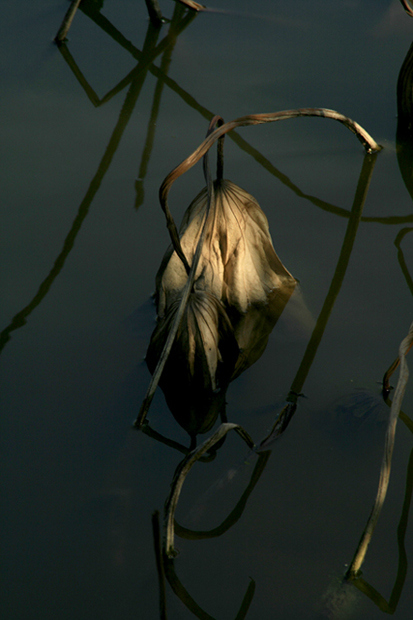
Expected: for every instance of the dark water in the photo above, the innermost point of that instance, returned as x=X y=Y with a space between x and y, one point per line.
x=86 y=140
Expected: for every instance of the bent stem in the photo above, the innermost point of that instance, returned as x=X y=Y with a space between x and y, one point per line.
x=195 y=6
x=391 y=370
x=386 y=379
x=367 y=589
x=370 y=145
x=386 y=462
x=407 y=7
x=235 y=514
x=183 y=470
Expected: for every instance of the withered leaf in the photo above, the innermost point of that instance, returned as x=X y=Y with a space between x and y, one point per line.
x=238 y=262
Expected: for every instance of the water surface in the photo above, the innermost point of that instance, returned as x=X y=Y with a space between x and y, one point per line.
x=82 y=238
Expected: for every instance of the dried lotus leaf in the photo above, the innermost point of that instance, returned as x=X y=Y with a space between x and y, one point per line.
x=238 y=262
x=224 y=242
x=252 y=329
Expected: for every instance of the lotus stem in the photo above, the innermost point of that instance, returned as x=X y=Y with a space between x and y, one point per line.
x=237 y=512
x=182 y=305
x=183 y=470
x=195 y=6
x=67 y=21
x=391 y=370
x=407 y=7
x=370 y=145
x=386 y=462
x=218 y=121
x=156 y=531
x=154 y=12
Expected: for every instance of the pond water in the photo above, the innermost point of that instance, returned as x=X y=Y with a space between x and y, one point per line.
x=89 y=131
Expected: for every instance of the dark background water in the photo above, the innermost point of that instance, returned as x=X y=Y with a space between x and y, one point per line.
x=82 y=237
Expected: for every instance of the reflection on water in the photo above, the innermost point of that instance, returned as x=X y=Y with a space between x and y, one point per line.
x=80 y=493
x=135 y=80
